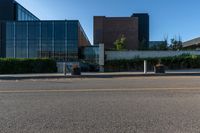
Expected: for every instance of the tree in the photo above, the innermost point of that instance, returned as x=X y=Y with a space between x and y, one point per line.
x=176 y=44
x=163 y=45
x=120 y=43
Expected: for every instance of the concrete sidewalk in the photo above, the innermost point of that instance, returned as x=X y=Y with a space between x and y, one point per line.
x=191 y=72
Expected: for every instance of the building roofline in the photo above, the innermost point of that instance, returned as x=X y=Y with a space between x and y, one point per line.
x=195 y=41
x=41 y=21
x=15 y=2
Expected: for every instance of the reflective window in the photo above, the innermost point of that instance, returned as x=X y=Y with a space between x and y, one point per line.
x=24 y=15
x=10 y=40
x=91 y=54
x=72 y=30
x=21 y=41
x=34 y=39
x=42 y=39
x=72 y=50
x=72 y=40
x=60 y=48
x=47 y=39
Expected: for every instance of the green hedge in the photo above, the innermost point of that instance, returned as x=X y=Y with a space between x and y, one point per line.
x=177 y=62
x=22 y=66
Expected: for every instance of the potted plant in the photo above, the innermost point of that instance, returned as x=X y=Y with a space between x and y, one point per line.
x=159 y=68
x=76 y=70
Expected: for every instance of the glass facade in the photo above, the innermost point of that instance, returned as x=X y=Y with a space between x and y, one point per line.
x=34 y=39
x=23 y=35
x=91 y=54
x=24 y=15
x=10 y=40
x=42 y=39
x=72 y=38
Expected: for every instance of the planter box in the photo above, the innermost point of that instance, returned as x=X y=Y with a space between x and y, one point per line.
x=160 y=68
x=76 y=71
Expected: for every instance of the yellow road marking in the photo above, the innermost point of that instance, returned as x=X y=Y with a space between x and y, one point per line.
x=98 y=90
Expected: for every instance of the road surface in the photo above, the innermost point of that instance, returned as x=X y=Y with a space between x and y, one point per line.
x=118 y=105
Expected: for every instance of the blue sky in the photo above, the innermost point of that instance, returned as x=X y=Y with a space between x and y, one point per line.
x=168 y=18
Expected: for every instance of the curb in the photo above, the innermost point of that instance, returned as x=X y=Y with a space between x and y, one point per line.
x=98 y=76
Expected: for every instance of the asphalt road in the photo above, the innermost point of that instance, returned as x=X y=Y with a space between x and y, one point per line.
x=120 y=105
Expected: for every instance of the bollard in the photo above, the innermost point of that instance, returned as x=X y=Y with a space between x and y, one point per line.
x=145 y=67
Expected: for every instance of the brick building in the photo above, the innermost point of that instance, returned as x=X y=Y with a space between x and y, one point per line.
x=135 y=29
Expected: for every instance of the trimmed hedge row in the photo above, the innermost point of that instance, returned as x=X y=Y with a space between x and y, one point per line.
x=22 y=66
x=177 y=62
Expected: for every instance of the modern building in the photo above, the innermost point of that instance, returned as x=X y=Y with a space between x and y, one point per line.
x=10 y=10
x=23 y=35
x=192 y=44
x=153 y=44
x=135 y=29
x=42 y=39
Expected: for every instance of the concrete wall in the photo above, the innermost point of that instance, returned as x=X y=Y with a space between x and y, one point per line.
x=101 y=54
x=115 y=55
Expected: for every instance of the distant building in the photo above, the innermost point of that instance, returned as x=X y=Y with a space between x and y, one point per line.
x=153 y=44
x=135 y=29
x=192 y=44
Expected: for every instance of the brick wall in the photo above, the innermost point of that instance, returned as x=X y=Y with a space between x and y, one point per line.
x=108 y=29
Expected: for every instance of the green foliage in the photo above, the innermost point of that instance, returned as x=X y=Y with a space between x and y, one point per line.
x=21 y=66
x=120 y=43
x=176 y=44
x=161 y=46
x=184 y=61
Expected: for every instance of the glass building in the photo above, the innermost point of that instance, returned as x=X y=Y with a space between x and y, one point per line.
x=59 y=40
x=23 y=35
x=10 y=10
x=23 y=14
x=91 y=54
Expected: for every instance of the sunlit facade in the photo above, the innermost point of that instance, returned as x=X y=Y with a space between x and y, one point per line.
x=23 y=35
x=42 y=39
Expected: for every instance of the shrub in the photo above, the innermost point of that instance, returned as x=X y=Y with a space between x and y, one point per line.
x=22 y=66
x=184 y=61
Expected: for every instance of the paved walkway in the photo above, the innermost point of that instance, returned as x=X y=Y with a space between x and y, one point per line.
x=191 y=72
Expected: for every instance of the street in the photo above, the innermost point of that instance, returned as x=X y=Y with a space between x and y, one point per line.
x=101 y=105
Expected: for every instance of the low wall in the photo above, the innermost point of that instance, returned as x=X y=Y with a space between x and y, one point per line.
x=60 y=66
x=117 y=55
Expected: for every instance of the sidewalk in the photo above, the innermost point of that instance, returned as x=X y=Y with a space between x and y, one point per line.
x=192 y=72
